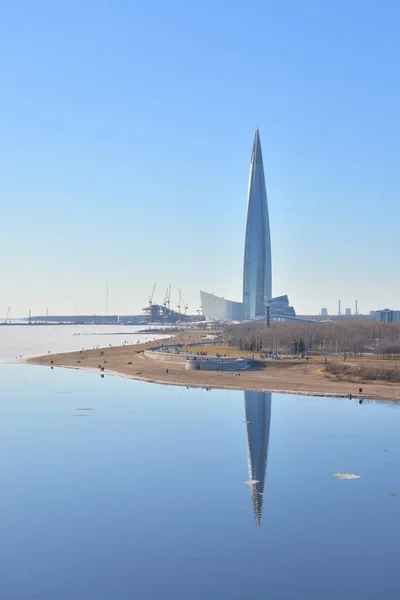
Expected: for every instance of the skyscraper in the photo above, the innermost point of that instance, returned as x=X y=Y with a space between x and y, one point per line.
x=258 y=419
x=257 y=276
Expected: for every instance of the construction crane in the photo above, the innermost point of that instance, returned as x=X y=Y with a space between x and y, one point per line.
x=8 y=312
x=152 y=295
x=185 y=306
x=181 y=303
x=167 y=298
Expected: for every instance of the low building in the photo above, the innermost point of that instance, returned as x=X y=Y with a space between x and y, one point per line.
x=220 y=309
x=386 y=315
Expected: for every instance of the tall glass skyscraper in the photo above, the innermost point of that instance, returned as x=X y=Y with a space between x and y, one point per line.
x=257 y=276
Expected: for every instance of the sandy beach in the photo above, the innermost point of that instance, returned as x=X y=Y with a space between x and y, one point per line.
x=293 y=377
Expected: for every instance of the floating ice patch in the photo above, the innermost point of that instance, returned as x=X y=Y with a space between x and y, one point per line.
x=252 y=482
x=345 y=475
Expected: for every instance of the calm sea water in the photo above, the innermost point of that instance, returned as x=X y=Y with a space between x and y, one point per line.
x=26 y=341
x=145 y=497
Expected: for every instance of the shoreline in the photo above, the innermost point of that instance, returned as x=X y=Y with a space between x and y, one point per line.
x=313 y=394
x=290 y=377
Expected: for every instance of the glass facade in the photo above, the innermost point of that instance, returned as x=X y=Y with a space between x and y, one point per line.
x=257 y=275
x=220 y=309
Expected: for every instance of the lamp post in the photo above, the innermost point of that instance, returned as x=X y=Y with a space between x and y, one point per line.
x=267 y=312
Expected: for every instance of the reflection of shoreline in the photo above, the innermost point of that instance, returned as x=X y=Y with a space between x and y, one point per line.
x=258 y=418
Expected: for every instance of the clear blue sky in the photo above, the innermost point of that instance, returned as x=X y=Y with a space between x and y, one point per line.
x=126 y=132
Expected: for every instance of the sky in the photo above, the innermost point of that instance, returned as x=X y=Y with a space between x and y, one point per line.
x=126 y=132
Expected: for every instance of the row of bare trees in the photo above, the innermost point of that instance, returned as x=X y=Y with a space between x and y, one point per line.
x=292 y=337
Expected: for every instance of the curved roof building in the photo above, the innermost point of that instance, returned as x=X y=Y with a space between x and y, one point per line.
x=257 y=271
x=220 y=309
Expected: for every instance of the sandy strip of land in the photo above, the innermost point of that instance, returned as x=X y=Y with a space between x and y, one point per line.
x=276 y=376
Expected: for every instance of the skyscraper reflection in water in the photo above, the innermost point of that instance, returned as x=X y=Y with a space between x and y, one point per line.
x=258 y=417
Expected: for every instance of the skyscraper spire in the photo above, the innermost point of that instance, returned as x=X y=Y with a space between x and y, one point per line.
x=256 y=155
x=257 y=270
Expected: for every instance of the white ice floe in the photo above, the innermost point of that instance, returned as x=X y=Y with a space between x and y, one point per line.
x=252 y=482
x=345 y=475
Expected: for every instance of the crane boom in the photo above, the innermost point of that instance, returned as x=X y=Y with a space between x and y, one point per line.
x=152 y=295
x=169 y=297
x=165 y=303
x=185 y=306
x=179 y=305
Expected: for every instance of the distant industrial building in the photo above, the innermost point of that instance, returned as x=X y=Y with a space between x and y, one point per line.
x=386 y=315
x=347 y=312
x=159 y=313
x=163 y=313
x=324 y=312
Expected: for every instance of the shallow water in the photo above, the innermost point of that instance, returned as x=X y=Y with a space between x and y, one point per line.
x=145 y=498
x=24 y=341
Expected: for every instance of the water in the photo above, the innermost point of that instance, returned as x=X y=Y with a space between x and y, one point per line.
x=145 y=497
x=27 y=341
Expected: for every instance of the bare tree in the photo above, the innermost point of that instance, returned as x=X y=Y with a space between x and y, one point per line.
x=290 y=337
